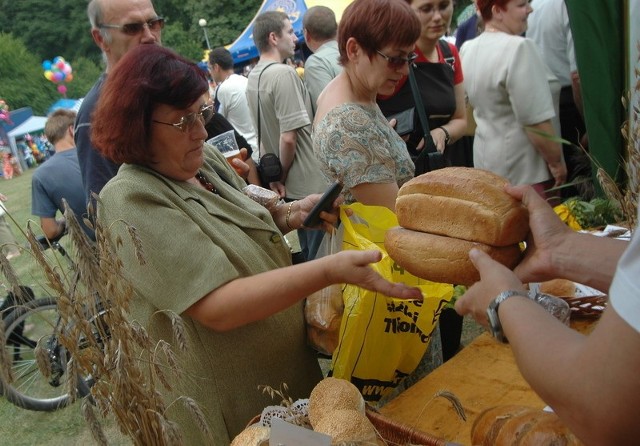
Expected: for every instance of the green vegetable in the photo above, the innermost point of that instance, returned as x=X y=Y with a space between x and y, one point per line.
x=595 y=213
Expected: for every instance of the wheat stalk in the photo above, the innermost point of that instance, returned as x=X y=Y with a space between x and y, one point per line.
x=128 y=367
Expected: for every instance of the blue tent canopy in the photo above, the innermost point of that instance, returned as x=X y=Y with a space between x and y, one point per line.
x=244 y=49
x=72 y=104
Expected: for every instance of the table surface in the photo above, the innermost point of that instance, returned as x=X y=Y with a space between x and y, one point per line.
x=482 y=375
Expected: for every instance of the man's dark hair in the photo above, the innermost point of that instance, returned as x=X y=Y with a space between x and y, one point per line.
x=222 y=57
x=320 y=22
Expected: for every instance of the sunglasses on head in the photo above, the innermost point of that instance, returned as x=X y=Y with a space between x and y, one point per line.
x=396 y=62
x=133 y=29
x=187 y=122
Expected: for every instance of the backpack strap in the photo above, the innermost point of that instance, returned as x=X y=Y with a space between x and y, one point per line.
x=258 y=129
x=447 y=54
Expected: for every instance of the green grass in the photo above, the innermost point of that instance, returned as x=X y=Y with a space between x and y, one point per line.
x=18 y=426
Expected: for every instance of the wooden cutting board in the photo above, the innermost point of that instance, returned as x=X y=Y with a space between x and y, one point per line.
x=482 y=375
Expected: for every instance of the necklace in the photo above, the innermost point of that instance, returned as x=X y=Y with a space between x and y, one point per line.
x=208 y=185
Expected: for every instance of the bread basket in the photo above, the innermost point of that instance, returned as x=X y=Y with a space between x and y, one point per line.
x=392 y=432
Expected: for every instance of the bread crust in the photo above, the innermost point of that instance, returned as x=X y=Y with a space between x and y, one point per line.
x=442 y=259
x=488 y=423
x=515 y=425
x=464 y=203
x=558 y=288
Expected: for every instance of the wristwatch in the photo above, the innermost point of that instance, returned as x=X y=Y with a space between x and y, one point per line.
x=495 y=327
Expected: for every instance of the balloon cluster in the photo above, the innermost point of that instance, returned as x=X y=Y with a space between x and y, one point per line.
x=4 y=112
x=58 y=71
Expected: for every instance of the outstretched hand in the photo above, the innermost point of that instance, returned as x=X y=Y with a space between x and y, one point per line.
x=494 y=279
x=353 y=267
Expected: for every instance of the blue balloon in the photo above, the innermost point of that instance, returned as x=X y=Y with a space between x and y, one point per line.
x=46 y=65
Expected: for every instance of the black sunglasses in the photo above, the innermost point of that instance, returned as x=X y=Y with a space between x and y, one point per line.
x=396 y=62
x=133 y=29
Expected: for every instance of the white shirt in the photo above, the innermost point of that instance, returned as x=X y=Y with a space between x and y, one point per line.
x=548 y=26
x=510 y=88
x=234 y=107
x=624 y=293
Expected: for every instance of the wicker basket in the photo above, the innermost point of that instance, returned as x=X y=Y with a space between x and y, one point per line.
x=392 y=432
x=395 y=433
x=587 y=307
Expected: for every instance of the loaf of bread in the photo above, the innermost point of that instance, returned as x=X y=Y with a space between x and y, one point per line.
x=347 y=426
x=558 y=288
x=442 y=259
x=332 y=394
x=254 y=435
x=463 y=203
x=445 y=213
x=513 y=425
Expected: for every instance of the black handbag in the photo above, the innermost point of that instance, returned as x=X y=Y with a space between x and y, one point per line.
x=429 y=158
x=269 y=166
x=269 y=169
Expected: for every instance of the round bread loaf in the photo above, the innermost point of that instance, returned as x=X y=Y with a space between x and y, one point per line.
x=331 y=394
x=464 y=203
x=253 y=435
x=348 y=426
x=442 y=259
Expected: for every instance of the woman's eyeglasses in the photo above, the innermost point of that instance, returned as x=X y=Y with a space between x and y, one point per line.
x=133 y=29
x=395 y=62
x=187 y=122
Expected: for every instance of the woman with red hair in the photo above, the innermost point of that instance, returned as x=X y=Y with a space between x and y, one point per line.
x=510 y=88
x=213 y=256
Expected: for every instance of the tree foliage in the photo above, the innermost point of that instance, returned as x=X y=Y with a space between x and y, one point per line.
x=22 y=83
x=31 y=33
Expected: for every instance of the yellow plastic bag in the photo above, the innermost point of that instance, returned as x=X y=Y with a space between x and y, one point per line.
x=382 y=339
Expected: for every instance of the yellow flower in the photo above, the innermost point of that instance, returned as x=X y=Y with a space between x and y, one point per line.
x=566 y=216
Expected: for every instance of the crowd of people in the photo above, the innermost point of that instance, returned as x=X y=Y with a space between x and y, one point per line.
x=219 y=259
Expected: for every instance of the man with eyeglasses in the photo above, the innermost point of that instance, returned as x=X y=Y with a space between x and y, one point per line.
x=282 y=113
x=116 y=27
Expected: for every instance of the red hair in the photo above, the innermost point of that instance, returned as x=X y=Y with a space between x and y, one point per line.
x=376 y=24
x=484 y=6
x=146 y=76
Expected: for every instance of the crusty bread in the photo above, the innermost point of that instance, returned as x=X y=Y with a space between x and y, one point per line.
x=442 y=259
x=548 y=431
x=464 y=203
x=488 y=423
x=331 y=394
x=513 y=425
x=348 y=426
x=253 y=435
x=558 y=288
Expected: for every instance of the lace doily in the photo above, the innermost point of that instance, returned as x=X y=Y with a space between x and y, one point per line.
x=297 y=413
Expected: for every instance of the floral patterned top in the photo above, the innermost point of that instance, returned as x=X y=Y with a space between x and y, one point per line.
x=355 y=144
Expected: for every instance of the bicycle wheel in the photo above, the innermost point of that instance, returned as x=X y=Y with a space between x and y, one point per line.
x=25 y=326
